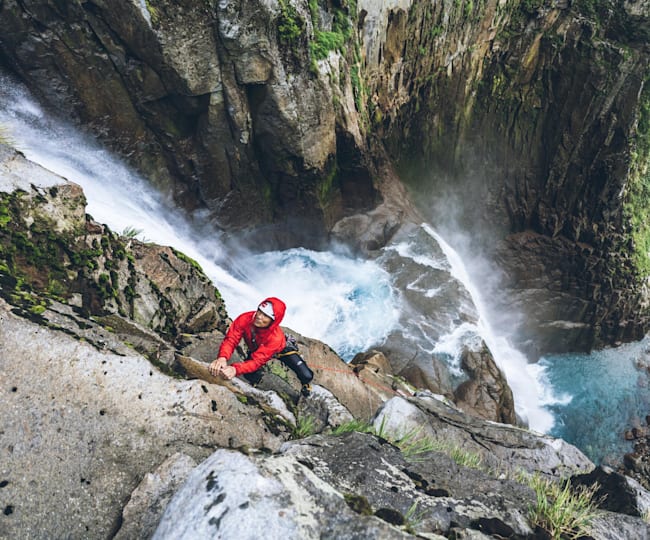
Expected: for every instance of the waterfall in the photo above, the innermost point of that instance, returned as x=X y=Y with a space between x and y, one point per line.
x=349 y=303
x=529 y=382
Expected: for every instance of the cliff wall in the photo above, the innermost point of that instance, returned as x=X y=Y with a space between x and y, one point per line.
x=528 y=118
x=220 y=103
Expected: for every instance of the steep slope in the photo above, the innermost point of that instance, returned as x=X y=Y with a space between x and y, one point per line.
x=529 y=121
x=528 y=118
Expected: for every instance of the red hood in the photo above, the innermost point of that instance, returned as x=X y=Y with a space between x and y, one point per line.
x=279 y=307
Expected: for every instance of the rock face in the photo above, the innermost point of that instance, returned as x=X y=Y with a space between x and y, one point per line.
x=218 y=102
x=357 y=486
x=527 y=121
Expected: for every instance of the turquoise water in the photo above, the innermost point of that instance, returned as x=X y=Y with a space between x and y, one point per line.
x=604 y=393
x=592 y=398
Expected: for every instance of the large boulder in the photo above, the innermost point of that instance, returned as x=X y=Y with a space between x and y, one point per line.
x=82 y=426
x=249 y=497
x=499 y=446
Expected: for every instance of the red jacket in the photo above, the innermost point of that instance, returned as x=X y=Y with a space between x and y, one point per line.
x=262 y=343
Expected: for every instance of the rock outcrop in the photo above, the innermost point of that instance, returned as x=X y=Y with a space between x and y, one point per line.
x=107 y=413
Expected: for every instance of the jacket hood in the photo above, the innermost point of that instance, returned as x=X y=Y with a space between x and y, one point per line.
x=279 y=308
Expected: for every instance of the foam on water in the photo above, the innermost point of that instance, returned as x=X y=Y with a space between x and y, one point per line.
x=347 y=302
x=530 y=393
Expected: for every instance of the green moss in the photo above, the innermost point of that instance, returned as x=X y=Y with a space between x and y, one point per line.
x=188 y=260
x=37 y=310
x=358 y=503
x=313 y=11
x=5 y=215
x=327 y=186
x=290 y=25
x=324 y=42
x=637 y=197
x=357 y=89
x=153 y=11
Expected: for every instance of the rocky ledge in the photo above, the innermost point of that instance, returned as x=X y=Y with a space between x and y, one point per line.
x=112 y=427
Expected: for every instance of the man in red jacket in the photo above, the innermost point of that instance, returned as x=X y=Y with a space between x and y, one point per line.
x=261 y=331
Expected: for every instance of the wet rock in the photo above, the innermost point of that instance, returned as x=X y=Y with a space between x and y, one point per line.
x=486 y=394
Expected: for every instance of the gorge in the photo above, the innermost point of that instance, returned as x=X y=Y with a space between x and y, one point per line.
x=282 y=136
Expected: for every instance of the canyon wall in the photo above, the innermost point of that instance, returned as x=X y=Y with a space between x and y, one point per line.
x=528 y=118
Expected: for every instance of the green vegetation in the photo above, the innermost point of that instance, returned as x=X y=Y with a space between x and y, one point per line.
x=412 y=443
x=563 y=512
x=358 y=503
x=153 y=12
x=531 y=6
x=353 y=425
x=187 y=259
x=327 y=185
x=330 y=40
x=131 y=232
x=305 y=426
x=636 y=208
x=324 y=42
x=290 y=25
x=413 y=518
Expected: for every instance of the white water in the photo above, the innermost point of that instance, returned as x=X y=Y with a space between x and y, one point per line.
x=348 y=303
x=529 y=383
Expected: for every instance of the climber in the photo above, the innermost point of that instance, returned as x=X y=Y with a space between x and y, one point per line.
x=265 y=339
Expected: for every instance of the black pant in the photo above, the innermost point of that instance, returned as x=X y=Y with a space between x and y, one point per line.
x=293 y=361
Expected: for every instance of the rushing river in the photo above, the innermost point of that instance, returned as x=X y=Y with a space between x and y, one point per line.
x=347 y=302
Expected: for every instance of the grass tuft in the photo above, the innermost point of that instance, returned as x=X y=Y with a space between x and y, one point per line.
x=305 y=426
x=353 y=425
x=564 y=512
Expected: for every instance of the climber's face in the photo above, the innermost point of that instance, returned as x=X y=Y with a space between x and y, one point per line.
x=261 y=320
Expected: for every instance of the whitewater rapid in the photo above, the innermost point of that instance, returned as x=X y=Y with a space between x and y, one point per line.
x=331 y=297
x=349 y=303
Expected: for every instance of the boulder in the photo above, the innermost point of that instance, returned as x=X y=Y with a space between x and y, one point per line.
x=83 y=425
x=249 y=497
x=616 y=492
x=426 y=416
x=486 y=394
